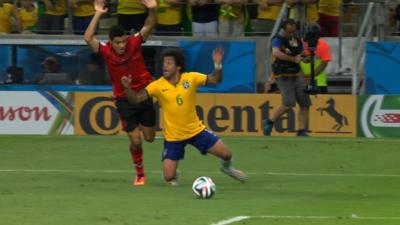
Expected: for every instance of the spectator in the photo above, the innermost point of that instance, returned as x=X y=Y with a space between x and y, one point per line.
x=51 y=16
x=329 y=12
x=7 y=13
x=28 y=15
x=94 y=73
x=322 y=57
x=169 y=18
x=395 y=19
x=204 y=17
x=303 y=11
x=51 y=72
x=131 y=15
x=82 y=14
x=267 y=13
x=231 y=17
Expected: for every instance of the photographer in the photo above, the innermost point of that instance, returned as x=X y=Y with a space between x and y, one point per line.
x=287 y=52
x=317 y=46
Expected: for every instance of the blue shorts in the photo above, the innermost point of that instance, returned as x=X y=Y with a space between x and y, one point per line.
x=203 y=141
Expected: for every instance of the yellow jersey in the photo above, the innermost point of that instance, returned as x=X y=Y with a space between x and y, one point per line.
x=58 y=8
x=130 y=7
x=28 y=19
x=329 y=7
x=231 y=12
x=168 y=14
x=178 y=105
x=83 y=9
x=311 y=13
x=271 y=13
x=6 y=11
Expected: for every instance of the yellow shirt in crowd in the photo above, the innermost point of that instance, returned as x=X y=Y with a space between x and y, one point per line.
x=271 y=13
x=178 y=105
x=234 y=11
x=130 y=7
x=311 y=13
x=329 y=7
x=84 y=8
x=28 y=19
x=58 y=8
x=168 y=14
x=6 y=12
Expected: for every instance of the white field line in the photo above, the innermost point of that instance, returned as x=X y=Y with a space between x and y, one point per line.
x=351 y=217
x=312 y=139
x=200 y=172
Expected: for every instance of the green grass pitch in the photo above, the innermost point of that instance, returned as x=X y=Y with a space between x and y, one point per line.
x=86 y=180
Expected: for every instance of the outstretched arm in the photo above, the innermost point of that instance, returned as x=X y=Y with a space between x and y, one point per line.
x=133 y=97
x=92 y=42
x=151 y=19
x=216 y=76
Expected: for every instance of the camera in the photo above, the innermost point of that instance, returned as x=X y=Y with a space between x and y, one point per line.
x=311 y=37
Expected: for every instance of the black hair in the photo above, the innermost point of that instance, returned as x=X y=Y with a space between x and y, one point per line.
x=178 y=56
x=287 y=22
x=116 y=31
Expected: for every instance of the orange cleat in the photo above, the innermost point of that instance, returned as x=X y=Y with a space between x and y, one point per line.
x=139 y=181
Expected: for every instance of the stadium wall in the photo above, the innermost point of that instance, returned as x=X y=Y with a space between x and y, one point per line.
x=93 y=113
x=382 y=68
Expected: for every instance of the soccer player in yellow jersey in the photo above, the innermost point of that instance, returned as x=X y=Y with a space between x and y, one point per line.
x=176 y=93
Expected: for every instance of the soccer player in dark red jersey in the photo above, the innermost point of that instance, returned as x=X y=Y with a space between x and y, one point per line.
x=123 y=56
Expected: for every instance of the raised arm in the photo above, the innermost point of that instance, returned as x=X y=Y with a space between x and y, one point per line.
x=91 y=40
x=151 y=19
x=133 y=96
x=216 y=76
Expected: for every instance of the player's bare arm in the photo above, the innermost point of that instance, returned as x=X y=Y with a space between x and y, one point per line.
x=216 y=76
x=133 y=96
x=91 y=40
x=151 y=19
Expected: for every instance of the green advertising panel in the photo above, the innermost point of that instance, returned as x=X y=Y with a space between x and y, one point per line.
x=379 y=116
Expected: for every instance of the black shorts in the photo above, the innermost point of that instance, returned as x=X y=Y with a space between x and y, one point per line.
x=132 y=115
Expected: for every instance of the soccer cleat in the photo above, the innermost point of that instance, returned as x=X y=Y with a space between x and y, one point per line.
x=175 y=180
x=267 y=127
x=235 y=174
x=139 y=181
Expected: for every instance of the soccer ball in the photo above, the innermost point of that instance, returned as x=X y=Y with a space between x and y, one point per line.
x=203 y=187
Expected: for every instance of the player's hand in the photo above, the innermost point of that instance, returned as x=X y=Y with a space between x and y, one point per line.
x=298 y=58
x=100 y=6
x=126 y=81
x=218 y=55
x=150 y=4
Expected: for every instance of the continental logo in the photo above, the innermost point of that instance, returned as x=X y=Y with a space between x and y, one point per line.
x=97 y=116
x=224 y=114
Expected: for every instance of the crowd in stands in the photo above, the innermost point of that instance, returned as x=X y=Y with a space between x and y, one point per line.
x=175 y=17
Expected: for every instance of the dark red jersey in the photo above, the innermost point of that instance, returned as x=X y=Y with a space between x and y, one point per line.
x=130 y=63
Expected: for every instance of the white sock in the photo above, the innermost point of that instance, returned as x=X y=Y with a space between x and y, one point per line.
x=226 y=163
